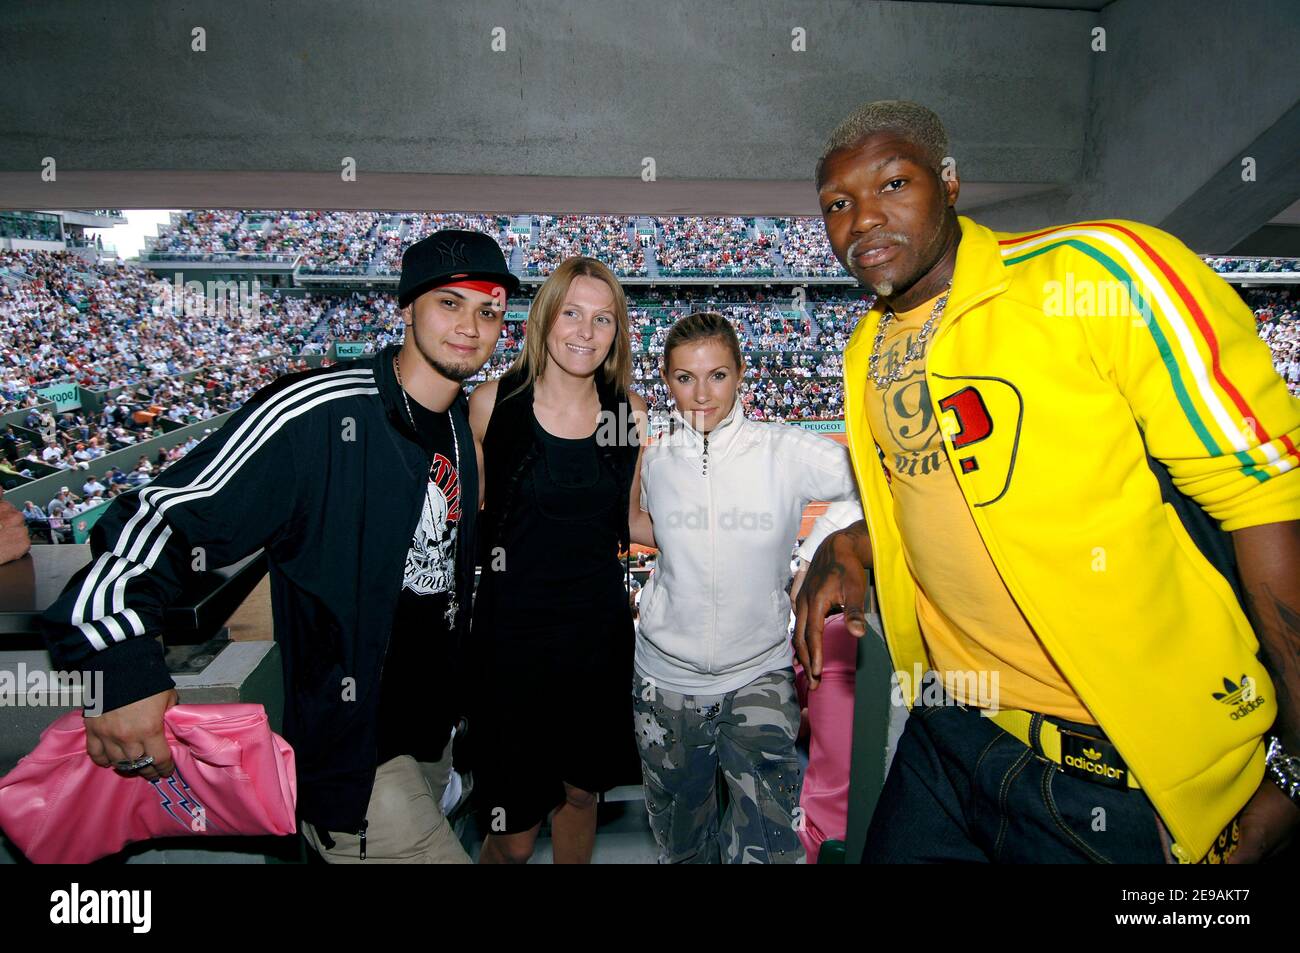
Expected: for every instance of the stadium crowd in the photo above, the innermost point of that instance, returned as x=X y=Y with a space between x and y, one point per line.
x=116 y=329
x=73 y=438
x=1259 y=265
x=341 y=243
x=805 y=250
x=348 y=242
x=63 y=320
x=224 y=234
x=722 y=247
x=596 y=236
x=405 y=228
x=1277 y=313
x=105 y=327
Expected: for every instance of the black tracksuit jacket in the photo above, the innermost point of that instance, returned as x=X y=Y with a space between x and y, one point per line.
x=323 y=469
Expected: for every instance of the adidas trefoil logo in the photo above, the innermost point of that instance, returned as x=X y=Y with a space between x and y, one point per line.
x=1242 y=699
x=1092 y=754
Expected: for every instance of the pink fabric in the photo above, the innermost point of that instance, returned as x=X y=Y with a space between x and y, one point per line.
x=233 y=776
x=825 y=797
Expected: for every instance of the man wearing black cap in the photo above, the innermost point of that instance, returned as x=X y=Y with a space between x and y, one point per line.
x=361 y=481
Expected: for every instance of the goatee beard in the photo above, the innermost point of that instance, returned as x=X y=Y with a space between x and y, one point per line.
x=881 y=289
x=453 y=372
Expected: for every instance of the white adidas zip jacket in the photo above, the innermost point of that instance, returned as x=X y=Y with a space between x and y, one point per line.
x=726 y=508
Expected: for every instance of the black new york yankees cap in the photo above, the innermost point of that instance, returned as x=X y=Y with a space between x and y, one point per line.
x=450 y=255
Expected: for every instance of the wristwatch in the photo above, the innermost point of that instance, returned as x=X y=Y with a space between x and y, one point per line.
x=1283 y=769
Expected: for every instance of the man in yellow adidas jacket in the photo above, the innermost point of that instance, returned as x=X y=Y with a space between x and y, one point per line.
x=1081 y=484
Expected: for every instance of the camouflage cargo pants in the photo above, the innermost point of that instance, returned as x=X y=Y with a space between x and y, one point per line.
x=749 y=734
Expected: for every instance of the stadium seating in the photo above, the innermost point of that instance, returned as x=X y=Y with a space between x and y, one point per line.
x=118 y=328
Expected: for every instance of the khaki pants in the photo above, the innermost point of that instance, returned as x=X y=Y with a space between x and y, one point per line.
x=404 y=822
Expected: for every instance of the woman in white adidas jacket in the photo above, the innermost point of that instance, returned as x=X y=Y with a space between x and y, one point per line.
x=714 y=685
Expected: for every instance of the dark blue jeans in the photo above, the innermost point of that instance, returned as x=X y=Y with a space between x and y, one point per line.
x=962 y=790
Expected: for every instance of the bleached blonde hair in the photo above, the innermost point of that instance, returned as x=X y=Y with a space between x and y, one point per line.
x=910 y=121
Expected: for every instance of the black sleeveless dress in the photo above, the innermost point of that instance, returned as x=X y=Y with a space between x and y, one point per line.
x=552 y=637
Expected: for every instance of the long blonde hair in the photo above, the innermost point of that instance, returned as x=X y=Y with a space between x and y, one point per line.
x=617 y=367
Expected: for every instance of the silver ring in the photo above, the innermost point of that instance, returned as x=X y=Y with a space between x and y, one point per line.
x=136 y=765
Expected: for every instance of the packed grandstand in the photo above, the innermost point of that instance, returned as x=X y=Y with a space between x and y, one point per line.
x=326 y=290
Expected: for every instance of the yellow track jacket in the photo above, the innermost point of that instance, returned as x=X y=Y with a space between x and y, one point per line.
x=1062 y=358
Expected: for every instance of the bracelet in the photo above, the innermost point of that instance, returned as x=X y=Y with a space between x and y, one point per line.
x=1283 y=768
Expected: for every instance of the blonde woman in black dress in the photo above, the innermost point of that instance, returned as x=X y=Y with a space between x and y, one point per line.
x=552 y=641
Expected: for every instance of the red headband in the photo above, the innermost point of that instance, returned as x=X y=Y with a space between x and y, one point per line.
x=482 y=287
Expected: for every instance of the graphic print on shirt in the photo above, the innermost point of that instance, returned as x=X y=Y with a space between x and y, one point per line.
x=983 y=415
x=918 y=449
x=431 y=560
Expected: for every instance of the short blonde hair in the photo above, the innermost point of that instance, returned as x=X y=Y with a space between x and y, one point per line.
x=911 y=121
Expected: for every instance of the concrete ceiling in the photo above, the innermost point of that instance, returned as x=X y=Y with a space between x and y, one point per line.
x=1043 y=124
x=1093 y=5
x=1288 y=216
x=461 y=193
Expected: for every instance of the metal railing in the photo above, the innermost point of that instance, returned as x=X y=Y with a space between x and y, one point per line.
x=220 y=257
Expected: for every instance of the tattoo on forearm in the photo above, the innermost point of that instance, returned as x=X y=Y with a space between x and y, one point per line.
x=1277 y=625
x=1290 y=626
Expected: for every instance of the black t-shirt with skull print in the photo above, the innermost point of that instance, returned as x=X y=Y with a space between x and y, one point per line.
x=417 y=692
